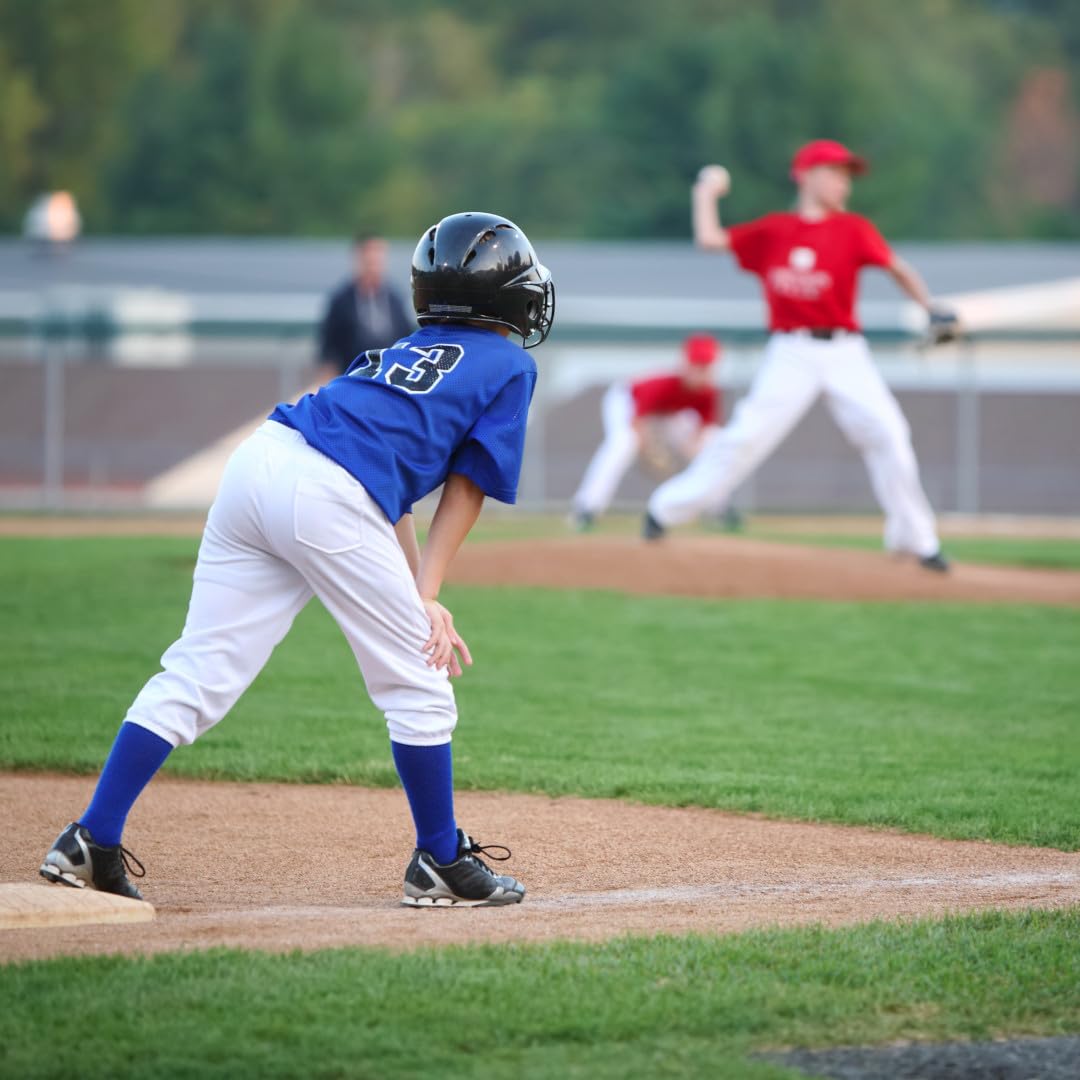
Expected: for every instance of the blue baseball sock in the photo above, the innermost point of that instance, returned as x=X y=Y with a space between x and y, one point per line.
x=427 y=774
x=135 y=756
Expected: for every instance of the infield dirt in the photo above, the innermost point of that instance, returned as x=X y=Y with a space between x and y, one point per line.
x=286 y=866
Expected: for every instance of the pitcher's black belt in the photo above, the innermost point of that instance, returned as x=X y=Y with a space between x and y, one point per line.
x=819 y=333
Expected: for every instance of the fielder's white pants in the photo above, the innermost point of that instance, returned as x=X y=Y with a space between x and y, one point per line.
x=288 y=524
x=621 y=445
x=796 y=370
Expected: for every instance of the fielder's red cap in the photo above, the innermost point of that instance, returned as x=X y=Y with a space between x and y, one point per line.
x=701 y=349
x=826 y=152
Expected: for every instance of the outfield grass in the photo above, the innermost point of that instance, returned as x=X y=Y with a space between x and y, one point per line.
x=663 y=1007
x=958 y=721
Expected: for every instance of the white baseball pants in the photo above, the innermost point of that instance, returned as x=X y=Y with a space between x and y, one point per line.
x=288 y=524
x=796 y=370
x=621 y=446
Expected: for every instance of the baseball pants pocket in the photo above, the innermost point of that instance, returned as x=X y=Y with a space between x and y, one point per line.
x=324 y=520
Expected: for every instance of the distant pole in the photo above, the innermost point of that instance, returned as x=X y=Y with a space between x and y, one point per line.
x=967 y=430
x=53 y=450
x=535 y=466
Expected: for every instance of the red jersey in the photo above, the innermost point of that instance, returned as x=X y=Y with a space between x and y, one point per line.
x=809 y=269
x=662 y=395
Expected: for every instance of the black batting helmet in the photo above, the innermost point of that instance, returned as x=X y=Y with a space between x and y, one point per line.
x=480 y=267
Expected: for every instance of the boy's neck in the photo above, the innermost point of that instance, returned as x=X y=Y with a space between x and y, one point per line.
x=811 y=209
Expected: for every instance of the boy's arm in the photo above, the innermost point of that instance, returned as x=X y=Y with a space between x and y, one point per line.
x=944 y=325
x=406 y=537
x=910 y=280
x=709 y=234
x=458 y=509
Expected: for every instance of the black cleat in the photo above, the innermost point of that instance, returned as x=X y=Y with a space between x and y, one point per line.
x=936 y=562
x=582 y=521
x=651 y=529
x=466 y=882
x=74 y=859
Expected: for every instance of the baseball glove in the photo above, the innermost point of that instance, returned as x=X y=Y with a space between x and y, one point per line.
x=943 y=327
x=658 y=459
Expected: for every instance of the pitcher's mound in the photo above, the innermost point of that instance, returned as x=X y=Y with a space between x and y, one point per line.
x=707 y=566
x=25 y=904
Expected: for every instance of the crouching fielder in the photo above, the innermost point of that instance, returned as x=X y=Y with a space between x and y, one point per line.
x=318 y=502
x=808 y=261
x=650 y=418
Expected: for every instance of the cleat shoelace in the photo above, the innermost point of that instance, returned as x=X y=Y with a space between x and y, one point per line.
x=129 y=857
x=474 y=850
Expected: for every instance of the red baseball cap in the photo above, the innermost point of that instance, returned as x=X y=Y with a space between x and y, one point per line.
x=701 y=349
x=826 y=152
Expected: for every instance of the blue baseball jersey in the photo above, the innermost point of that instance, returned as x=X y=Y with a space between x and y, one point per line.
x=448 y=398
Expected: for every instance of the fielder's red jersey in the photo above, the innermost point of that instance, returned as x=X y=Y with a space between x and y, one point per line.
x=809 y=269
x=662 y=395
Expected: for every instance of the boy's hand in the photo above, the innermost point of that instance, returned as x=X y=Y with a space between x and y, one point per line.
x=444 y=640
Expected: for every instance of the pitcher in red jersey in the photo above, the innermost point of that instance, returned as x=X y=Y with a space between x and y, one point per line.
x=808 y=261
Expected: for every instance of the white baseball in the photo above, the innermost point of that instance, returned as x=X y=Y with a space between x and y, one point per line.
x=715 y=177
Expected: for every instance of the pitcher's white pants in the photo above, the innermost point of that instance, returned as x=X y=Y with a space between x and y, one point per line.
x=796 y=370
x=288 y=524
x=621 y=445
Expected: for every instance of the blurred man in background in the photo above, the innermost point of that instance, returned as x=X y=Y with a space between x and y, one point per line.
x=364 y=312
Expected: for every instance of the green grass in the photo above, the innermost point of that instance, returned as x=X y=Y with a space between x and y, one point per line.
x=663 y=1007
x=954 y=720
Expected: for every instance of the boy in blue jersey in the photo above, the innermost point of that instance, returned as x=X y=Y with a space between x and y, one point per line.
x=319 y=503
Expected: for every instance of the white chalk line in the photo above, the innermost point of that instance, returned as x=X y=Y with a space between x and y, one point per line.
x=685 y=894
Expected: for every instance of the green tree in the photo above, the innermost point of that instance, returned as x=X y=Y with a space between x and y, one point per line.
x=259 y=125
x=912 y=86
x=294 y=116
x=65 y=70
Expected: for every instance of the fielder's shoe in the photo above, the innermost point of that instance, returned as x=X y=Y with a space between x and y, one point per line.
x=936 y=562
x=732 y=520
x=582 y=521
x=729 y=520
x=651 y=529
x=466 y=882
x=77 y=861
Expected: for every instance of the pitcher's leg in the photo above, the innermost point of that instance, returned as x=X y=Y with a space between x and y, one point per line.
x=870 y=416
x=782 y=392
